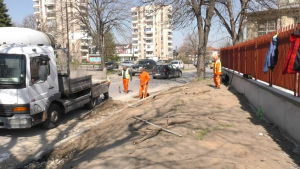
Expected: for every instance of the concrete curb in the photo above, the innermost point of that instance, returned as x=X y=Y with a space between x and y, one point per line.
x=41 y=154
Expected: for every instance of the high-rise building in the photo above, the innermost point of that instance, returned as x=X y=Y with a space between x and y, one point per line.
x=152 y=35
x=54 y=16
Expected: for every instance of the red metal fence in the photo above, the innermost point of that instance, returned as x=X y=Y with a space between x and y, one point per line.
x=249 y=58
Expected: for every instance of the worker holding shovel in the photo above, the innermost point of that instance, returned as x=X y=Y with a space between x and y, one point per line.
x=144 y=78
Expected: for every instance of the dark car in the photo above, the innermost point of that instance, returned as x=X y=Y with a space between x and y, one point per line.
x=206 y=63
x=166 y=71
x=111 y=65
x=147 y=64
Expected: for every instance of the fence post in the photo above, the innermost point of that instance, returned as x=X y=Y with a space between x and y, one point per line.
x=245 y=59
x=298 y=84
x=255 y=60
x=239 y=55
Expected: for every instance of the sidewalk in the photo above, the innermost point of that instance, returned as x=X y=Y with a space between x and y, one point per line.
x=218 y=128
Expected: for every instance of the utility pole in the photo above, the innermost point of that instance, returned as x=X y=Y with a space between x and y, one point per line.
x=68 y=41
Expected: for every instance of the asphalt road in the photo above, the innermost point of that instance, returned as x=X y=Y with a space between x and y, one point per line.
x=24 y=143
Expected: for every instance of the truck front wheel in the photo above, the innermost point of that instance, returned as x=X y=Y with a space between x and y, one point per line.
x=53 y=117
x=90 y=105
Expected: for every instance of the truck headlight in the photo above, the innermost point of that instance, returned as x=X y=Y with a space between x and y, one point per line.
x=18 y=121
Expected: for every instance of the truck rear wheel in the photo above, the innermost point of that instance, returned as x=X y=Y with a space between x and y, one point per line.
x=53 y=117
x=106 y=95
x=90 y=105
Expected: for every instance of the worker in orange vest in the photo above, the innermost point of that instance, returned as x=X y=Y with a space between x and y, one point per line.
x=217 y=71
x=144 y=77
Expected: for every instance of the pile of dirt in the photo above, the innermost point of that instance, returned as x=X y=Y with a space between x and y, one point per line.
x=218 y=128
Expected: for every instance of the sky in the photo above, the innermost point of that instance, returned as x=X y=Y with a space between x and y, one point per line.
x=18 y=9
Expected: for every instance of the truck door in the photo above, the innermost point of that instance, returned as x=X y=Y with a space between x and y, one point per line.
x=39 y=91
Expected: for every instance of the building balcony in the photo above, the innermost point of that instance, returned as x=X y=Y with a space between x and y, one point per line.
x=36 y=12
x=149 y=26
x=148 y=37
x=51 y=18
x=149 y=14
x=35 y=0
x=50 y=10
x=149 y=32
x=135 y=39
x=148 y=42
x=50 y=2
x=135 y=21
x=170 y=47
x=149 y=19
x=149 y=49
x=36 y=5
x=84 y=44
x=170 y=35
x=135 y=32
x=84 y=50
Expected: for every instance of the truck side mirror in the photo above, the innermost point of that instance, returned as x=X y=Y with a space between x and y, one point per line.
x=43 y=72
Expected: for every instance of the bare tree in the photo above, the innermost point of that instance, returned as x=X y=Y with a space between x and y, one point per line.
x=232 y=13
x=187 y=13
x=101 y=17
x=29 y=22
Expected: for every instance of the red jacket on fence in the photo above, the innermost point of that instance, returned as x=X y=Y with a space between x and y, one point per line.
x=292 y=61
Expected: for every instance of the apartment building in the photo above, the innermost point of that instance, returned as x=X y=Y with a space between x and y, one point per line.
x=152 y=35
x=266 y=21
x=53 y=17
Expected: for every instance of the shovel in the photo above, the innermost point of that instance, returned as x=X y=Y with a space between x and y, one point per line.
x=120 y=86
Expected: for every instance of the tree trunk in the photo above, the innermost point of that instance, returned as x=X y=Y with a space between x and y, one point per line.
x=201 y=55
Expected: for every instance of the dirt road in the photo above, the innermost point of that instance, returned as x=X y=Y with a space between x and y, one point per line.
x=223 y=133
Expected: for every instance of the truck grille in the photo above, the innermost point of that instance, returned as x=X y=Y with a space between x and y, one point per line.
x=5 y=110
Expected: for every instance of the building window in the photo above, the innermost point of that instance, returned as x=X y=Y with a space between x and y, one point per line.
x=35 y=63
x=265 y=27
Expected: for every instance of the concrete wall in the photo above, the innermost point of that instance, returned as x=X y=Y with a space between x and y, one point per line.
x=278 y=107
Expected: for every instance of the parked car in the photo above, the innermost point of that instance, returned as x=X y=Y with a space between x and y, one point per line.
x=127 y=63
x=161 y=62
x=147 y=64
x=178 y=63
x=196 y=63
x=111 y=65
x=166 y=71
x=212 y=64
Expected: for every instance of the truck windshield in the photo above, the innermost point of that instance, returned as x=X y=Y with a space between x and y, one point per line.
x=12 y=69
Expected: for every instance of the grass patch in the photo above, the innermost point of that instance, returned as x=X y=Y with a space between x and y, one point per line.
x=109 y=72
x=219 y=107
x=216 y=128
x=225 y=125
x=203 y=133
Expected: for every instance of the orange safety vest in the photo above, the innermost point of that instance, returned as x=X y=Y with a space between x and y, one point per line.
x=218 y=67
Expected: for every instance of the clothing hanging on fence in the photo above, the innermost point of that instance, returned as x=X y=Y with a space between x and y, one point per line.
x=272 y=55
x=292 y=61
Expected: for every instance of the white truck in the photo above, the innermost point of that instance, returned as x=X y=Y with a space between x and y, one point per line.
x=31 y=89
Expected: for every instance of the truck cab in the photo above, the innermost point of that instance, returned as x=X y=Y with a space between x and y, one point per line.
x=23 y=91
x=32 y=91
